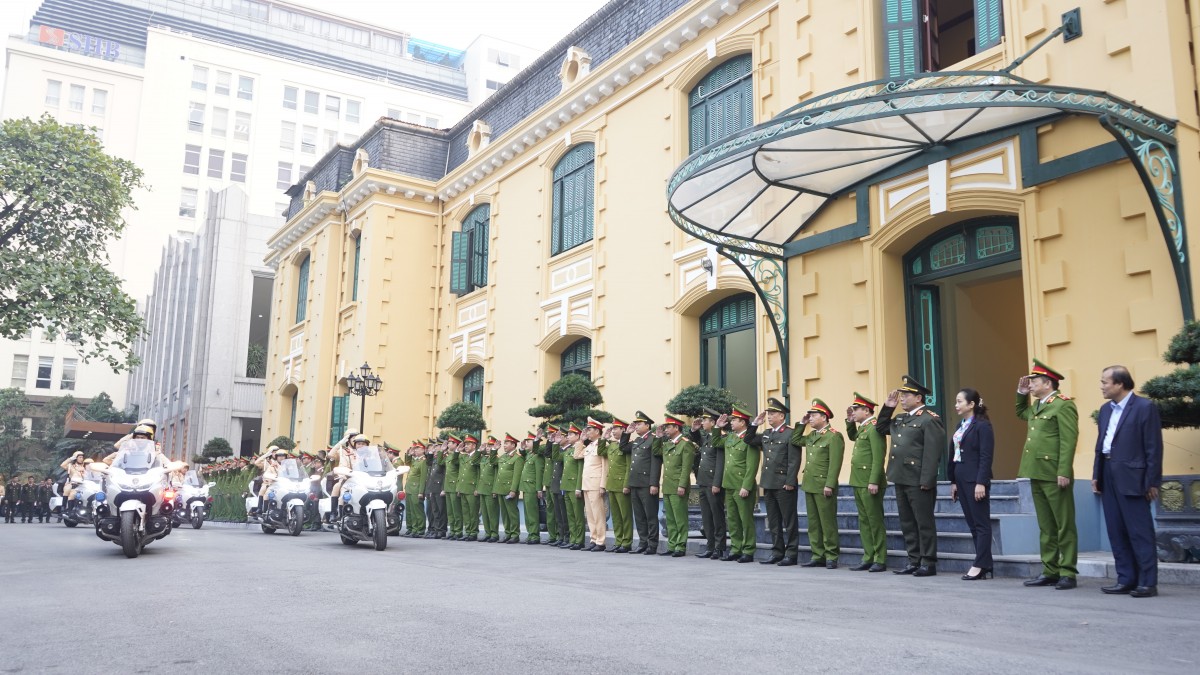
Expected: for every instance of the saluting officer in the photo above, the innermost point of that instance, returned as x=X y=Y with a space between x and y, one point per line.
x=824 y=448
x=918 y=441
x=531 y=487
x=414 y=489
x=468 y=481
x=1048 y=462
x=645 y=472
x=866 y=477
x=709 y=468
x=489 y=504
x=556 y=504
x=738 y=481
x=781 y=465
x=435 y=483
x=617 y=486
x=572 y=486
x=677 y=452
x=507 y=486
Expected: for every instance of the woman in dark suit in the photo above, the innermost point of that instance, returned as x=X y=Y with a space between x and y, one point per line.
x=970 y=472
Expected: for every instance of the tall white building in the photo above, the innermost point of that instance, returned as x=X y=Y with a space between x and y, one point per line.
x=203 y=94
x=490 y=63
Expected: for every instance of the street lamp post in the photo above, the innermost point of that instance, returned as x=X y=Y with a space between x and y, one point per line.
x=363 y=383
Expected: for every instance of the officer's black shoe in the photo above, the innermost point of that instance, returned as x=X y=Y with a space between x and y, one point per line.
x=1042 y=580
x=598 y=549
x=773 y=560
x=926 y=571
x=861 y=568
x=651 y=551
x=721 y=555
x=621 y=549
x=678 y=554
x=666 y=552
x=908 y=569
x=575 y=547
x=513 y=540
x=815 y=562
x=563 y=544
x=551 y=542
x=1117 y=589
x=639 y=550
x=831 y=565
x=1066 y=584
x=745 y=558
x=1144 y=592
x=787 y=562
x=591 y=546
x=878 y=567
x=704 y=554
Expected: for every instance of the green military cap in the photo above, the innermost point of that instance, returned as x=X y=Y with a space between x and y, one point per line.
x=910 y=384
x=818 y=406
x=709 y=413
x=1043 y=370
x=863 y=402
x=741 y=412
x=775 y=405
x=643 y=417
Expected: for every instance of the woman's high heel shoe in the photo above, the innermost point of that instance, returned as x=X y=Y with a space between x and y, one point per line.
x=983 y=574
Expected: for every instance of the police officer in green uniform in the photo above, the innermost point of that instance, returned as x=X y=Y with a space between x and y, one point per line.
x=435 y=499
x=824 y=448
x=709 y=465
x=532 y=469
x=468 y=481
x=414 y=489
x=645 y=472
x=451 y=460
x=918 y=441
x=677 y=453
x=866 y=477
x=738 y=482
x=507 y=486
x=617 y=487
x=556 y=503
x=1048 y=462
x=489 y=506
x=572 y=487
x=781 y=465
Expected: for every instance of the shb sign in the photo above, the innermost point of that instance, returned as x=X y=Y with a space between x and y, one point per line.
x=88 y=45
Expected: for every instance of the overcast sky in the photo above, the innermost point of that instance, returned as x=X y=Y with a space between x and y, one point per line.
x=454 y=23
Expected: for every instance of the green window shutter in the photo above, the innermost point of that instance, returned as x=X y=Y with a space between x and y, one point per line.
x=901 y=37
x=357 y=256
x=302 y=290
x=479 y=249
x=292 y=423
x=721 y=104
x=989 y=23
x=460 y=262
x=556 y=219
x=572 y=212
x=338 y=418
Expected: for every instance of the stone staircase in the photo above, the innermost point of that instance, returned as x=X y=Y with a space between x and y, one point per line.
x=1014 y=530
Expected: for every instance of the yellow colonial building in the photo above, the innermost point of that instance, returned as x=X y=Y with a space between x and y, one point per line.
x=782 y=197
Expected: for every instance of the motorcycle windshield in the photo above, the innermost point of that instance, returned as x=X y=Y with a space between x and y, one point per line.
x=289 y=469
x=371 y=460
x=136 y=456
x=192 y=479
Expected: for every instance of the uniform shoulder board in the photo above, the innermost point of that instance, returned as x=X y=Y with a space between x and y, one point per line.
x=833 y=430
x=932 y=414
x=1064 y=397
x=870 y=422
x=919 y=412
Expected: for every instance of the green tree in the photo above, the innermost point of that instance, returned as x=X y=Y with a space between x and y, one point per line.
x=283 y=443
x=691 y=401
x=14 y=408
x=100 y=409
x=256 y=361
x=462 y=416
x=217 y=447
x=572 y=399
x=1176 y=393
x=61 y=204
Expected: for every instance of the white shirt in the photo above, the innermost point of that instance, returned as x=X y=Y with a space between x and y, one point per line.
x=1118 y=407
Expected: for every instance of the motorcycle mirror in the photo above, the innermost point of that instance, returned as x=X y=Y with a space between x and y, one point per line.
x=341 y=471
x=401 y=470
x=98 y=466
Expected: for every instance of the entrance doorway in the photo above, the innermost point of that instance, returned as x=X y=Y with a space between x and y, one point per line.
x=966 y=318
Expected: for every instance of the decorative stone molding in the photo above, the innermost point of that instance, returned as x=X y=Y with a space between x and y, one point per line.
x=478 y=139
x=990 y=168
x=361 y=162
x=575 y=67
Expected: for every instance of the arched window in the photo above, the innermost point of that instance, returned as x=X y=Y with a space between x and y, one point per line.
x=302 y=290
x=357 y=256
x=469 y=252
x=473 y=387
x=727 y=350
x=572 y=200
x=292 y=423
x=578 y=358
x=722 y=103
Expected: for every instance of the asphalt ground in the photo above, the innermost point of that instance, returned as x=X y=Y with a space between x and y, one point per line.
x=236 y=600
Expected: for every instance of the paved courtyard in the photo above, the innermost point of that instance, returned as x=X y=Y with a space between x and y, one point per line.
x=227 y=599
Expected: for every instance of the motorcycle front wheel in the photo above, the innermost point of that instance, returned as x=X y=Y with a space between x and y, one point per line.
x=349 y=541
x=70 y=523
x=380 y=533
x=296 y=520
x=197 y=519
x=129 y=534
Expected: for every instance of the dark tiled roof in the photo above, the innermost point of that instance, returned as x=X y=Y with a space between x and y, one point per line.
x=128 y=25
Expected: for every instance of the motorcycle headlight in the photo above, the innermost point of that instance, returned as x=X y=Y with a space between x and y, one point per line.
x=100 y=496
x=271 y=494
x=346 y=497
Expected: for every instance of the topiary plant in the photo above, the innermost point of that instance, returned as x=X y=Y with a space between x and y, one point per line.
x=691 y=401
x=217 y=447
x=572 y=399
x=1176 y=393
x=462 y=416
x=283 y=443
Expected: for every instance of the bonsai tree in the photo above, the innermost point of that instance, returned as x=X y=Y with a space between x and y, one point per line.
x=1176 y=393
x=283 y=443
x=572 y=399
x=199 y=459
x=462 y=416
x=217 y=447
x=691 y=401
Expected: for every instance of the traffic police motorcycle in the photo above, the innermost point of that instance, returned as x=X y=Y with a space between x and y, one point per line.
x=284 y=505
x=369 y=488
x=82 y=509
x=192 y=502
x=136 y=504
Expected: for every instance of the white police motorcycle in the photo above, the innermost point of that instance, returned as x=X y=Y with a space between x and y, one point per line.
x=283 y=507
x=82 y=509
x=192 y=502
x=369 y=489
x=135 y=507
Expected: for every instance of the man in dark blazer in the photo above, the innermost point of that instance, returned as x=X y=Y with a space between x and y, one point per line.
x=1126 y=475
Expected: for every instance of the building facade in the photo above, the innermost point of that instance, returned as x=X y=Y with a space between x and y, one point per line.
x=536 y=238
x=204 y=95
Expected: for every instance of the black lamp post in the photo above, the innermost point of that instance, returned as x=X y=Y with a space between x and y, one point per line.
x=363 y=383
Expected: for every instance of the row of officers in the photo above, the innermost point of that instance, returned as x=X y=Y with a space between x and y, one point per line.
x=622 y=470
x=26 y=501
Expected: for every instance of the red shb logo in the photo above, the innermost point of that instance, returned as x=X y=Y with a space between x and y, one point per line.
x=53 y=36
